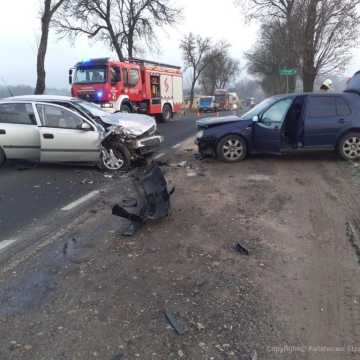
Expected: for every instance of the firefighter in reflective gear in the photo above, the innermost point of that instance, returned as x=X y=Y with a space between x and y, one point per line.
x=327 y=85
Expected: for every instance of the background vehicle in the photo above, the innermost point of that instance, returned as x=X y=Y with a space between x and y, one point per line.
x=130 y=86
x=250 y=102
x=63 y=129
x=286 y=124
x=207 y=103
x=222 y=99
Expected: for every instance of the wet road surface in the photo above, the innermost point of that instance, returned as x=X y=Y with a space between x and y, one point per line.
x=31 y=191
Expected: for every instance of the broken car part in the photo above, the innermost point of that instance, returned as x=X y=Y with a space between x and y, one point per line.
x=177 y=325
x=243 y=251
x=154 y=198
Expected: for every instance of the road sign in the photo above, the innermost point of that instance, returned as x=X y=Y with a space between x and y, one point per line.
x=288 y=72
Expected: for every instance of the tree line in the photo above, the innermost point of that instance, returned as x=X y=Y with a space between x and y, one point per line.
x=122 y=24
x=126 y=26
x=313 y=36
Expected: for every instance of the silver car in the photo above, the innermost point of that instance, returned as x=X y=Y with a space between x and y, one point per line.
x=63 y=129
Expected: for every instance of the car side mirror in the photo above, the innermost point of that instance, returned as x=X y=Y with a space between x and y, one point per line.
x=85 y=126
x=255 y=119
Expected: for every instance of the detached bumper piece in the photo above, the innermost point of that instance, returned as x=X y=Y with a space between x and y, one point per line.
x=154 y=199
x=149 y=144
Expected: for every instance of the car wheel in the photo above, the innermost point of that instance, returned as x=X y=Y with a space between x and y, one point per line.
x=125 y=108
x=2 y=157
x=115 y=159
x=166 y=113
x=349 y=146
x=232 y=148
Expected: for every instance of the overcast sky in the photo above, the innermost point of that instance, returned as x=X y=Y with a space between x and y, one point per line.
x=19 y=34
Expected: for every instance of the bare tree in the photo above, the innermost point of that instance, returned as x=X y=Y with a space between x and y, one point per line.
x=50 y=7
x=271 y=54
x=194 y=49
x=120 y=23
x=322 y=32
x=221 y=69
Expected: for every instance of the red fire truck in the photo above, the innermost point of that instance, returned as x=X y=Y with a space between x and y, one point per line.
x=129 y=86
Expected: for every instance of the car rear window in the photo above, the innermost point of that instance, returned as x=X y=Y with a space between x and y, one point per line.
x=17 y=113
x=322 y=106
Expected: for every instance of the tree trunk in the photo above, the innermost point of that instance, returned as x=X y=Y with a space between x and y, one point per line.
x=114 y=40
x=309 y=72
x=192 y=94
x=308 y=82
x=41 y=74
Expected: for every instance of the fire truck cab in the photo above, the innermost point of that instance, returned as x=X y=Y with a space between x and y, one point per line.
x=129 y=86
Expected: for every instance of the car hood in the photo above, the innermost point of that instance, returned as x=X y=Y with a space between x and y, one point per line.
x=136 y=123
x=214 y=121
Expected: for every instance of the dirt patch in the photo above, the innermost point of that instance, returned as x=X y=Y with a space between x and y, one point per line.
x=295 y=292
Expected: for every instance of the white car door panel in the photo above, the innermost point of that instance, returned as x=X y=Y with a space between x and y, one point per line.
x=19 y=132
x=61 y=138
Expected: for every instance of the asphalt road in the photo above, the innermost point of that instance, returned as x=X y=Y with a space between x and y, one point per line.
x=31 y=191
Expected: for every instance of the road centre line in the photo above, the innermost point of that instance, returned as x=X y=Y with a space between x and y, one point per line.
x=158 y=156
x=80 y=201
x=5 y=243
x=177 y=145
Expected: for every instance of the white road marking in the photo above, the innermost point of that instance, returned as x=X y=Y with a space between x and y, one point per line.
x=177 y=146
x=6 y=243
x=158 y=156
x=80 y=201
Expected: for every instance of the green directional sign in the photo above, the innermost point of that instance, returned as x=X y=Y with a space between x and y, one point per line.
x=288 y=72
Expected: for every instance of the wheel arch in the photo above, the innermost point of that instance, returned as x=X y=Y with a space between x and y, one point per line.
x=344 y=133
x=122 y=100
x=169 y=104
x=2 y=153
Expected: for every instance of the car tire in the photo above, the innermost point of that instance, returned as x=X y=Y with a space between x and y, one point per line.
x=2 y=157
x=231 y=149
x=125 y=108
x=349 y=146
x=120 y=162
x=166 y=114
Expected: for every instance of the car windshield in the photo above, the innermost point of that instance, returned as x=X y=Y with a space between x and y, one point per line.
x=90 y=75
x=206 y=100
x=90 y=109
x=259 y=108
x=220 y=97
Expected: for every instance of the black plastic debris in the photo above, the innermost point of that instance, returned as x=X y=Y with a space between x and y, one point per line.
x=198 y=156
x=176 y=324
x=153 y=199
x=129 y=203
x=243 y=251
x=119 y=356
x=162 y=163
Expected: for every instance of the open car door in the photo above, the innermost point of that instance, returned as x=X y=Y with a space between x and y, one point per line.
x=268 y=129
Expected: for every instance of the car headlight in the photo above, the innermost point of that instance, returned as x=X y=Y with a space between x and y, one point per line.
x=200 y=134
x=119 y=130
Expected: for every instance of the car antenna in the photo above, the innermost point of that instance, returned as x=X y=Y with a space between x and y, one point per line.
x=7 y=86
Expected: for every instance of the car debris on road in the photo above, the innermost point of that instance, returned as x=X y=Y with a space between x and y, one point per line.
x=154 y=199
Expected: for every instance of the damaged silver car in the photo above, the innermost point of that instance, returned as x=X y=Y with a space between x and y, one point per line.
x=63 y=129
